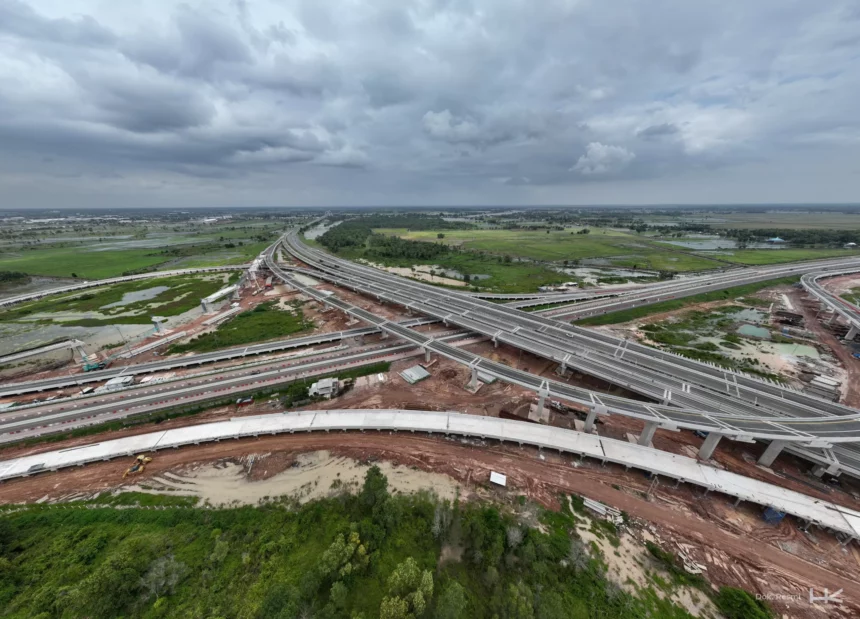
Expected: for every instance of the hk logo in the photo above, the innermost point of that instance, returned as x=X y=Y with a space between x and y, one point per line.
x=827 y=598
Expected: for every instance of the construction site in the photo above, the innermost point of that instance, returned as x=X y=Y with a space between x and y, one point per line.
x=730 y=541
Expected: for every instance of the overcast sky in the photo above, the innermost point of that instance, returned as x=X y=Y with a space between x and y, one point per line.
x=425 y=102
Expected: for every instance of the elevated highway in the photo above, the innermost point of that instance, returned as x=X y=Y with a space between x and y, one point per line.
x=678 y=380
x=849 y=312
x=60 y=382
x=842 y=521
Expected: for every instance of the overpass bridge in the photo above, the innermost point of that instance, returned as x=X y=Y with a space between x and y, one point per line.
x=671 y=379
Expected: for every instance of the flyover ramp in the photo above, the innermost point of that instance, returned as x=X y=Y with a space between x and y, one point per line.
x=759 y=394
x=841 y=520
x=742 y=427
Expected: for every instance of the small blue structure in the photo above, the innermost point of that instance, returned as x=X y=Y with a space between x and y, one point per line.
x=772 y=515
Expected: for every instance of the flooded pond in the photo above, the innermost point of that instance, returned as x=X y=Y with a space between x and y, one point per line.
x=754 y=331
x=591 y=275
x=138 y=295
x=318 y=230
x=718 y=243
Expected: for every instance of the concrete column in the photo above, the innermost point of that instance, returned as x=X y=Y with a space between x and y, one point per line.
x=541 y=399
x=820 y=470
x=474 y=382
x=852 y=333
x=772 y=451
x=426 y=355
x=384 y=335
x=589 y=420
x=710 y=444
x=648 y=433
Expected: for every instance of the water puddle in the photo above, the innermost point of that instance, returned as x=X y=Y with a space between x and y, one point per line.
x=138 y=295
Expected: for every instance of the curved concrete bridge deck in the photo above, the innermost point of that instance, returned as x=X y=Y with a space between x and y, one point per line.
x=844 y=522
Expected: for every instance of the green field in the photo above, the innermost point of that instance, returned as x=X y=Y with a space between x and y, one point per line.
x=77 y=262
x=183 y=293
x=264 y=322
x=616 y=247
x=757 y=257
x=356 y=556
x=110 y=251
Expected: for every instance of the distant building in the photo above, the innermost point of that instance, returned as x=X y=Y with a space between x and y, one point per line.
x=850 y=245
x=775 y=240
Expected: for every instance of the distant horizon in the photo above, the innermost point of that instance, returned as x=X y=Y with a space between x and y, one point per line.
x=702 y=206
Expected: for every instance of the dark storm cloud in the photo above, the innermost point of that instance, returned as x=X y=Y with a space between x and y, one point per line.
x=658 y=131
x=425 y=101
x=19 y=19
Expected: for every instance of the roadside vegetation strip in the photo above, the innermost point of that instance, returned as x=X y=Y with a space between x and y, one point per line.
x=353 y=555
x=291 y=394
x=677 y=304
x=264 y=322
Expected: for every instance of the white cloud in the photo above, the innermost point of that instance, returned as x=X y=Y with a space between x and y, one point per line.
x=603 y=159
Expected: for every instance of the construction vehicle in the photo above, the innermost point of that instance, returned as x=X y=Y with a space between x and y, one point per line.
x=139 y=466
x=96 y=365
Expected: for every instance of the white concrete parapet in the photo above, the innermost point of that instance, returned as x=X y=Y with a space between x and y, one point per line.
x=822 y=513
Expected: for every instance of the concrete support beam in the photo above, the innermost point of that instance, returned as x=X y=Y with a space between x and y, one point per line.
x=648 y=433
x=820 y=470
x=473 y=383
x=426 y=355
x=772 y=451
x=852 y=333
x=710 y=444
x=541 y=399
x=589 y=420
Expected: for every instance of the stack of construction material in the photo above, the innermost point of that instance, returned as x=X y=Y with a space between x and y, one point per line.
x=825 y=387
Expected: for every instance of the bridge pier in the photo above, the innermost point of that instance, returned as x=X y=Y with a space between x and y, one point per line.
x=473 y=382
x=589 y=420
x=648 y=433
x=426 y=355
x=820 y=470
x=772 y=451
x=852 y=333
x=710 y=444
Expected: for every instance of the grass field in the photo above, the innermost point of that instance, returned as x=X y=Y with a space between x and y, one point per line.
x=264 y=322
x=757 y=257
x=617 y=248
x=183 y=294
x=69 y=262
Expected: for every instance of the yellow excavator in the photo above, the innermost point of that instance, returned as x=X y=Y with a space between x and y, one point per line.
x=138 y=467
